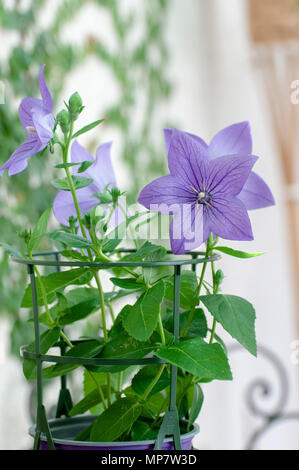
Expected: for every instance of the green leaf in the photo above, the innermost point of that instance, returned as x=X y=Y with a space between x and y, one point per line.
x=78 y=181
x=141 y=431
x=81 y=302
x=145 y=377
x=114 y=421
x=198 y=326
x=126 y=283
x=70 y=239
x=87 y=128
x=198 y=357
x=187 y=289
x=236 y=253
x=11 y=250
x=85 y=349
x=123 y=346
x=52 y=283
x=147 y=249
x=89 y=401
x=141 y=319
x=39 y=231
x=85 y=165
x=47 y=339
x=196 y=397
x=236 y=315
x=66 y=165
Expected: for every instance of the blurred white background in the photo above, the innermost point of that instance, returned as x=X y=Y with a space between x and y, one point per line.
x=215 y=85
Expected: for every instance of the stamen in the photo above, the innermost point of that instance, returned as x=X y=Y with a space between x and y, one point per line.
x=31 y=129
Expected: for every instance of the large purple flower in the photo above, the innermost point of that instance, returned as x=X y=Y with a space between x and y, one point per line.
x=36 y=117
x=236 y=140
x=103 y=176
x=209 y=188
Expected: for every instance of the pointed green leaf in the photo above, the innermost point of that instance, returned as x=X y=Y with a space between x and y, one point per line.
x=87 y=128
x=85 y=349
x=52 y=283
x=47 y=339
x=187 y=289
x=70 y=239
x=114 y=421
x=11 y=250
x=195 y=398
x=145 y=377
x=141 y=319
x=236 y=315
x=126 y=283
x=89 y=401
x=236 y=253
x=198 y=357
x=39 y=231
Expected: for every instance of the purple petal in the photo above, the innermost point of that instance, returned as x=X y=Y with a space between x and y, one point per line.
x=255 y=193
x=46 y=95
x=229 y=219
x=102 y=171
x=63 y=206
x=235 y=139
x=187 y=229
x=187 y=158
x=43 y=123
x=227 y=175
x=79 y=154
x=26 y=108
x=17 y=162
x=168 y=135
x=164 y=193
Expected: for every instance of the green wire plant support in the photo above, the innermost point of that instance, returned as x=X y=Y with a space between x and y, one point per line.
x=170 y=424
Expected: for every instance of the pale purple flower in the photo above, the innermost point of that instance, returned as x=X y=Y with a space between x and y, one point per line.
x=204 y=189
x=37 y=119
x=103 y=176
x=236 y=140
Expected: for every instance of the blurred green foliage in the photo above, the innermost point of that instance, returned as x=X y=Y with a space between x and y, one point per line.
x=140 y=74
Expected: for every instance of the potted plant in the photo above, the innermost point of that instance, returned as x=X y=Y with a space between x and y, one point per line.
x=155 y=340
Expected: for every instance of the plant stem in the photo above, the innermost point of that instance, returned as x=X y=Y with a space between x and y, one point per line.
x=161 y=329
x=153 y=383
x=99 y=388
x=191 y=314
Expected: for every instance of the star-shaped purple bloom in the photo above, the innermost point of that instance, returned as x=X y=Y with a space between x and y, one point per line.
x=37 y=120
x=102 y=174
x=209 y=188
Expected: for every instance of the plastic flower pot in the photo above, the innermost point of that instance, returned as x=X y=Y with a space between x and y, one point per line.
x=60 y=433
x=63 y=431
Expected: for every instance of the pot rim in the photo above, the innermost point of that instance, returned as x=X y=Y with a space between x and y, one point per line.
x=59 y=422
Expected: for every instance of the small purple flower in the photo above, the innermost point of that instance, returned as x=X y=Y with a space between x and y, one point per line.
x=103 y=176
x=37 y=120
x=209 y=188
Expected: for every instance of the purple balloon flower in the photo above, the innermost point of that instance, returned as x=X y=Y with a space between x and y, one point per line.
x=209 y=188
x=37 y=120
x=102 y=174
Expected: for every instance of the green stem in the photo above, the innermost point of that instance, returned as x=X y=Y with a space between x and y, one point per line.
x=191 y=314
x=99 y=388
x=153 y=383
x=161 y=329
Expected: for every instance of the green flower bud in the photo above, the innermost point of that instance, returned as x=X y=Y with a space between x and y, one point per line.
x=218 y=279
x=105 y=197
x=63 y=120
x=75 y=105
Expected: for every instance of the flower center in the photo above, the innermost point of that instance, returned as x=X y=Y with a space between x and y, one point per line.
x=202 y=197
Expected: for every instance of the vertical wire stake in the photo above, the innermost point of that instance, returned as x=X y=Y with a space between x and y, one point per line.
x=42 y=424
x=65 y=402
x=170 y=425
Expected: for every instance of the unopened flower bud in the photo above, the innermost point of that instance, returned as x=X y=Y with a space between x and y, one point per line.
x=63 y=120
x=75 y=105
